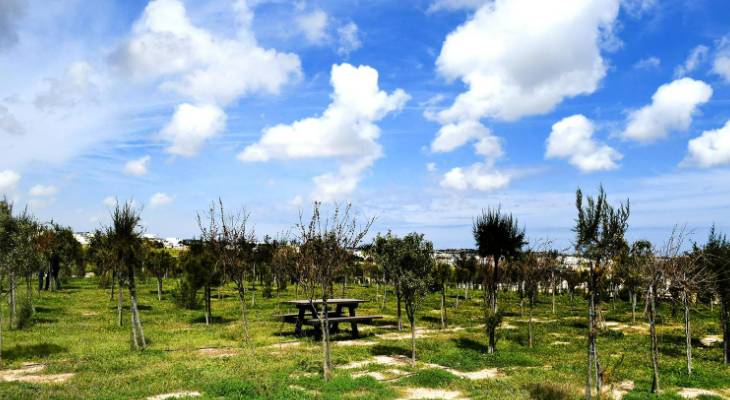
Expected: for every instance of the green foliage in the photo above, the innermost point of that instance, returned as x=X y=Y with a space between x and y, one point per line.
x=497 y=235
x=185 y=295
x=25 y=313
x=432 y=378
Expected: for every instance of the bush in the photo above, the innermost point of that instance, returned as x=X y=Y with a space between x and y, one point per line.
x=25 y=314
x=185 y=295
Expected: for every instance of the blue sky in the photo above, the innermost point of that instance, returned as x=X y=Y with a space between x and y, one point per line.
x=420 y=113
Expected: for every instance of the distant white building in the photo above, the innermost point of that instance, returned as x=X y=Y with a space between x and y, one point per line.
x=84 y=238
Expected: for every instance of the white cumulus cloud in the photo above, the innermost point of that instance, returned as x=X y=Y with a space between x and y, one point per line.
x=8 y=181
x=478 y=176
x=572 y=138
x=453 y=5
x=346 y=131
x=191 y=126
x=137 y=167
x=160 y=199
x=671 y=109
x=710 y=149
x=210 y=69
x=532 y=55
x=721 y=63
x=43 y=190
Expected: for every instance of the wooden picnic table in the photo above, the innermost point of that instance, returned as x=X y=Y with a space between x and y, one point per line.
x=314 y=308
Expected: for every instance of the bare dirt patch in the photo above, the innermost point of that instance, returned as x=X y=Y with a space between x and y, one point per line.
x=29 y=373
x=618 y=390
x=711 y=340
x=218 y=352
x=426 y=393
x=174 y=395
x=355 y=343
x=692 y=393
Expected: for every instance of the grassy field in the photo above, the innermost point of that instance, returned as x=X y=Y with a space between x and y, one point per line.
x=74 y=332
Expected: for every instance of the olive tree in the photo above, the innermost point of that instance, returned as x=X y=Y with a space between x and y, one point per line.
x=443 y=274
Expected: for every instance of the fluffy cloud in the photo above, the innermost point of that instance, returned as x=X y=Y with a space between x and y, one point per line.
x=43 y=191
x=696 y=56
x=191 y=126
x=572 y=138
x=431 y=167
x=160 y=199
x=8 y=181
x=563 y=37
x=454 y=135
x=348 y=39
x=314 y=26
x=479 y=176
x=137 y=167
x=197 y=64
x=671 y=109
x=346 y=130
x=710 y=149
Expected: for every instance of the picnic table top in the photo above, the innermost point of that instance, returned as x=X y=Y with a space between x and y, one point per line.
x=319 y=301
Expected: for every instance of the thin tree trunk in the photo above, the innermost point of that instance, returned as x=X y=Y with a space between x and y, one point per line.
x=552 y=281
x=688 y=333
x=119 y=304
x=136 y=323
x=1 y=335
x=324 y=326
x=159 y=288
x=654 y=346
x=114 y=276
x=633 y=306
x=242 y=300
x=725 y=331
x=413 y=340
x=12 y=301
x=591 y=334
x=529 y=328
x=399 y=313
x=443 y=309
x=206 y=295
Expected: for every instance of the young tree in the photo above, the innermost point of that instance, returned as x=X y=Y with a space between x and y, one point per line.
x=716 y=259
x=466 y=271
x=386 y=248
x=599 y=237
x=324 y=245
x=235 y=249
x=160 y=263
x=442 y=274
x=689 y=277
x=126 y=243
x=532 y=268
x=416 y=263
x=629 y=271
x=497 y=238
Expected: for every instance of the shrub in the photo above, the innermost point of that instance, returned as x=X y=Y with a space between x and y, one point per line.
x=25 y=314
x=185 y=295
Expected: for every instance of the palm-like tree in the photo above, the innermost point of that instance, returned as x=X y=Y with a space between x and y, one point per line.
x=125 y=237
x=498 y=238
x=599 y=232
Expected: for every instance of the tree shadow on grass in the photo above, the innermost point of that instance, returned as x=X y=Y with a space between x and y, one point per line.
x=215 y=319
x=42 y=309
x=140 y=307
x=470 y=344
x=24 y=352
x=388 y=350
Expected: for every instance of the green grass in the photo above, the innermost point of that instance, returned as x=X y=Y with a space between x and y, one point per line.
x=74 y=330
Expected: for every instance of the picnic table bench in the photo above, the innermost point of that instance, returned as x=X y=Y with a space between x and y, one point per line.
x=309 y=312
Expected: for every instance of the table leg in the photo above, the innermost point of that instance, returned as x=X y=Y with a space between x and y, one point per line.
x=300 y=321
x=353 y=324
